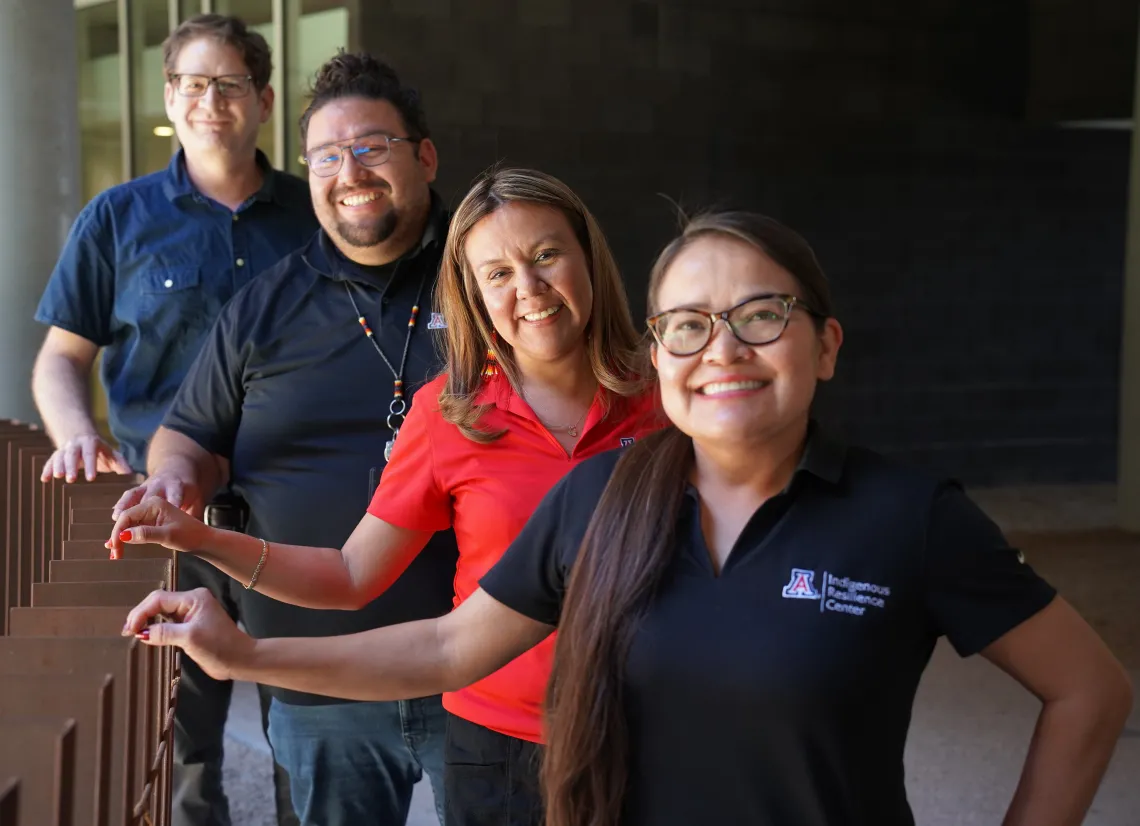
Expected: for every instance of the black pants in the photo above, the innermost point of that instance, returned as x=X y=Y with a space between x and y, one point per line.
x=490 y=779
x=198 y=798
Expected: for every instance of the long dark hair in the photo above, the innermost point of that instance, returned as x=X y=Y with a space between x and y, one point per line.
x=624 y=555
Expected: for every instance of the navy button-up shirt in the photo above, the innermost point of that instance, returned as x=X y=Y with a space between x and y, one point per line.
x=146 y=269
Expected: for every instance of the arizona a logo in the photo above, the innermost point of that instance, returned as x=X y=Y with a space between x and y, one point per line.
x=800 y=586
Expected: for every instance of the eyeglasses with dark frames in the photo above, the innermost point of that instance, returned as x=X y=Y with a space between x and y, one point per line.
x=758 y=320
x=369 y=150
x=196 y=86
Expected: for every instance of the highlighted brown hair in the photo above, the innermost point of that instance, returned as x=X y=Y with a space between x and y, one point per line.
x=612 y=341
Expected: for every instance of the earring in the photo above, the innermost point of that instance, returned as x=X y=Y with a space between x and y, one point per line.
x=491 y=365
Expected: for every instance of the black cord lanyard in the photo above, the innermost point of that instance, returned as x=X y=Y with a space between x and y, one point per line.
x=398 y=406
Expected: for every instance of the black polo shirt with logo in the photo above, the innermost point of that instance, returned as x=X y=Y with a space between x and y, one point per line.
x=289 y=389
x=780 y=692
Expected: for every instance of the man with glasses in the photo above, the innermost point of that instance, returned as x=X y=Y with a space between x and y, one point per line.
x=143 y=274
x=294 y=402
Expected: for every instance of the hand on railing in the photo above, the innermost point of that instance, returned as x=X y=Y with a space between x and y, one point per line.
x=88 y=452
x=157 y=521
x=194 y=622
x=177 y=491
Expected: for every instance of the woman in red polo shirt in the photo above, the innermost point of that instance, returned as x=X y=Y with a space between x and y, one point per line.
x=541 y=375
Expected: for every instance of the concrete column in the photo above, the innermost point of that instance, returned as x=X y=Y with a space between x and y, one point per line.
x=39 y=176
x=1128 y=477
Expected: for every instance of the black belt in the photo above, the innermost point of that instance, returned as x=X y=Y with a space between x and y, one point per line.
x=228 y=511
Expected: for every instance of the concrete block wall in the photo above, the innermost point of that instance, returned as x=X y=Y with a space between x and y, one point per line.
x=976 y=256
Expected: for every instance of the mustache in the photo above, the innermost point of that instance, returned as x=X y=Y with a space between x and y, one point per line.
x=344 y=191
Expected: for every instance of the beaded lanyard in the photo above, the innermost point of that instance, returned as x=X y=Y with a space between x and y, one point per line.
x=397 y=407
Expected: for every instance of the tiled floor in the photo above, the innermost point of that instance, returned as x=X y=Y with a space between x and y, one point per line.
x=971 y=722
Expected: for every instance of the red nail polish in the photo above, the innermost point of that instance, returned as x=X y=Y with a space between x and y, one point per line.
x=144 y=634
x=125 y=536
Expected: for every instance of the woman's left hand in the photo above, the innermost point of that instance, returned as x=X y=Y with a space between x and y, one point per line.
x=195 y=623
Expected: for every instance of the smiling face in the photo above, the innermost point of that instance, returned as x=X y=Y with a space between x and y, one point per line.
x=534 y=279
x=213 y=123
x=732 y=393
x=372 y=213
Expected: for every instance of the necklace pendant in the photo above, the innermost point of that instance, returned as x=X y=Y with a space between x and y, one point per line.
x=391 y=443
x=573 y=431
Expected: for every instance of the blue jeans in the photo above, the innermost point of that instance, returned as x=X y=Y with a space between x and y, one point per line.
x=354 y=764
x=197 y=796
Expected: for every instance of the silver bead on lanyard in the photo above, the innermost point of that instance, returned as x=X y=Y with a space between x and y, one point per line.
x=397 y=407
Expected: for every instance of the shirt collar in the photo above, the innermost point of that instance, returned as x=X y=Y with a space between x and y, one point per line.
x=496 y=390
x=823 y=458
x=178 y=184
x=322 y=255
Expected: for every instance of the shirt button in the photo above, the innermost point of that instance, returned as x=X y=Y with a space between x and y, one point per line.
x=168 y=283
x=235 y=217
x=241 y=262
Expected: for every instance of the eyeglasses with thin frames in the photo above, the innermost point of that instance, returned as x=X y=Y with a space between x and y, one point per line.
x=758 y=320
x=196 y=86
x=369 y=150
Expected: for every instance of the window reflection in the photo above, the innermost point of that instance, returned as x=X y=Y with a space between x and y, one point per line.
x=100 y=105
x=151 y=134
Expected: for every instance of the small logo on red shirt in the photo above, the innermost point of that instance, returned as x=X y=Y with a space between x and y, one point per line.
x=626 y=441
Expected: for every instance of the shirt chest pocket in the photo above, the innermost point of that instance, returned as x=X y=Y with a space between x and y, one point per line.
x=170 y=281
x=172 y=301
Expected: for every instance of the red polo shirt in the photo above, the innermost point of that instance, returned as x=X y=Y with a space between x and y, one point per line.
x=438 y=478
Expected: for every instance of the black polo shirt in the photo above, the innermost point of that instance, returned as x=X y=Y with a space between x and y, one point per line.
x=780 y=692
x=289 y=389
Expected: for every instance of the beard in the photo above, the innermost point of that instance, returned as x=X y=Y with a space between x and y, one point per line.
x=371 y=234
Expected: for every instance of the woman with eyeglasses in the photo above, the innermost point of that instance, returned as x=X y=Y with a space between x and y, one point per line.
x=744 y=605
